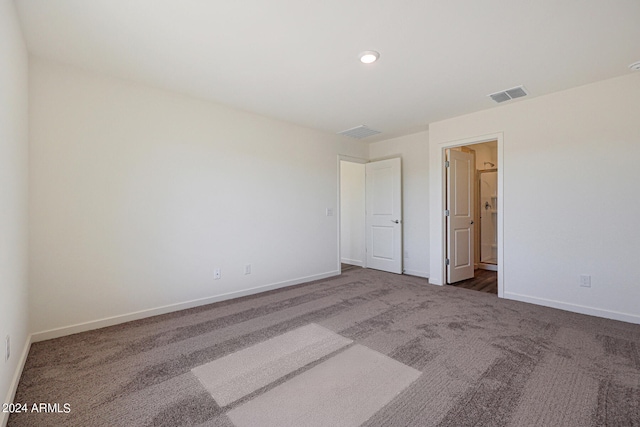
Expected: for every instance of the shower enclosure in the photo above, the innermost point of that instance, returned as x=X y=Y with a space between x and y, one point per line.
x=488 y=218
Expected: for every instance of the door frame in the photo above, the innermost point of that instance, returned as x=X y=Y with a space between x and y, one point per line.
x=343 y=158
x=439 y=232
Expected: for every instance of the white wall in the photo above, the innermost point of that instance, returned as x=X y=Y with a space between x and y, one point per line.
x=414 y=151
x=352 y=195
x=13 y=198
x=138 y=193
x=571 y=206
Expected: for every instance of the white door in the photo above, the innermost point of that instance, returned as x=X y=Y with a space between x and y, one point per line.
x=460 y=229
x=383 y=193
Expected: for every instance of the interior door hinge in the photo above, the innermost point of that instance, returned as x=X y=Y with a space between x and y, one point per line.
x=446 y=212
x=447 y=261
x=446 y=164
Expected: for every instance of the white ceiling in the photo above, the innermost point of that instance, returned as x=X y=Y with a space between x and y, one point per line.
x=297 y=60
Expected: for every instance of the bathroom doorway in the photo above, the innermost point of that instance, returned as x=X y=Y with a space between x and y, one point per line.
x=484 y=229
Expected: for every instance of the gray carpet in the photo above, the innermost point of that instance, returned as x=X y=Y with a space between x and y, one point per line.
x=483 y=361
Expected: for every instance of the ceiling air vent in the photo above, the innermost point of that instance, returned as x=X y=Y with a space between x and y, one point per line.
x=505 y=95
x=359 y=132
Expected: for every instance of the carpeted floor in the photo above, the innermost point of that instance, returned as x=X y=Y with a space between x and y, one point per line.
x=482 y=361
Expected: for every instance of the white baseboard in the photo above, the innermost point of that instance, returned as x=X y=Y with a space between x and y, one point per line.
x=352 y=262
x=592 y=311
x=490 y=267
x=417 y=273
x=115 y=320
x=4 y=416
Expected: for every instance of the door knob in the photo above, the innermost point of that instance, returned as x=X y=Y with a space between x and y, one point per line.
x=471 y=222
x=395 y=220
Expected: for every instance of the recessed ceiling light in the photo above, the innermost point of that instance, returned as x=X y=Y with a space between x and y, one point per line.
x=635 y=66
x=369 y=56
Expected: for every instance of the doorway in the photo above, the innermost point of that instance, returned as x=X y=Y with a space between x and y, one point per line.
x=352 y=213
x=484 y=236
x=370 y=210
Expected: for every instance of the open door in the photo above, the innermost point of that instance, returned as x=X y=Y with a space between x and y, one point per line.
x=459 y=216
x=383 y=193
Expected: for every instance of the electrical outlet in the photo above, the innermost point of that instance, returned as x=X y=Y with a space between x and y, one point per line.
x=7 y=353
x=585 y=281
x=216 y=274
x=329 y=211
x=247 y=269
x=406 y=254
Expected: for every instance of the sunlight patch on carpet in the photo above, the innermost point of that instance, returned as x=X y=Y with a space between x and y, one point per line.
x=243 y=372
x=345 y=390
